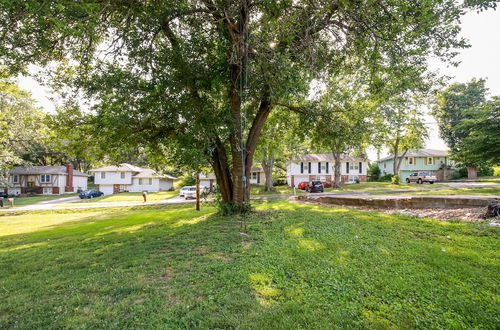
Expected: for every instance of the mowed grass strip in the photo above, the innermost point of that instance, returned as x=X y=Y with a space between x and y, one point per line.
x=131 y=197
x=294 y=266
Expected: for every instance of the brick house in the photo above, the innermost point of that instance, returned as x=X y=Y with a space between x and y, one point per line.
x=45 y=180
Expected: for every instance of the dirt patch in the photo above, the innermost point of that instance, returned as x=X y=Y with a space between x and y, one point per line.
x=167 y=274
x=222 y=256
x=247 y=244
x=462 y=214
x=202 y=250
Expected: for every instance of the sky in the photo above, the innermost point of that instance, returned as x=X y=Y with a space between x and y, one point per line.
x=481 y=60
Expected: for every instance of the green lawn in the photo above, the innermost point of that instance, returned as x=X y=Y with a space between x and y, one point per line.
x=131 y=197
x=374 y=186
x=259 y=191
x=295 y=266
x=488 y=191
x=24 y=201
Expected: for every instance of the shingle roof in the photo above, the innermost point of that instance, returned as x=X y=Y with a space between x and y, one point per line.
x=419 y=153
x=124 y=167
x=147 y=173
x=326 y=158
x=44 y=170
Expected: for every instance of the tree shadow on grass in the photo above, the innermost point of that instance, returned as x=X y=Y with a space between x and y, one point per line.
x=296 y=266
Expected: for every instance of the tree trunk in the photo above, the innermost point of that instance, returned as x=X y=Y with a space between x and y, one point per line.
x=267 y=165
x=471 y=173
x=336 y=169
x=399 y=160
x=395 y=169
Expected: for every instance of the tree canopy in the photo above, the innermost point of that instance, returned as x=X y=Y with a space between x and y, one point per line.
x=197 y=79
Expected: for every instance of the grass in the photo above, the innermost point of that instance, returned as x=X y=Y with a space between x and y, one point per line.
x=491 y=179
x=25 y=201
x=296 y=266
x=259 y=191
x=487 y=191
x=131 y=197
x=385 y=186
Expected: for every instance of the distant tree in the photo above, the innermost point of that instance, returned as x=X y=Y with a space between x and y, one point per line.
x=403 y=128
x=481 y=131
x=22 y=126
x=341 y=123
x=455 y=104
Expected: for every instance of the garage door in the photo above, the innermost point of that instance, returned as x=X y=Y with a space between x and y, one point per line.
x=106 y=189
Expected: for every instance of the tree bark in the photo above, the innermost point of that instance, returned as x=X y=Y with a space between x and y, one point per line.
x=267 y=165
x=471 y=173
x=336 y=169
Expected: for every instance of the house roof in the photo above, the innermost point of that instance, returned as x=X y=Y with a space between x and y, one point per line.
x=325 y=158
x=19 y=170
x=147 y=173
x=419 y=153
x=124 y=167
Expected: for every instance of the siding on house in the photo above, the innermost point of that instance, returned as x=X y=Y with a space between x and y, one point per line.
x=429 y=160
x=321 y=167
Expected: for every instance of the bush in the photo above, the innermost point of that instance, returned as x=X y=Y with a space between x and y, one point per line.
x=482 y=170
x=374 y=172
x=385 y=178
x=186 y=180
x=496 y=171
x=395 y=179
x=228 y=208
x=356 y=180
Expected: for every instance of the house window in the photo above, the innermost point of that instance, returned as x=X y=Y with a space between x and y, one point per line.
x=410 y=160
x=351 y=167
x=327 y=167
x=430 y=161
x=360 y=168
x=144 y=182
x=45 y=178
x=347 y=167
x=15 y=179
x=301 y=168
x=122 y=175
x=103 y=175
x=309 y=167
x=47 y=191
x=319 y=167
x=254 y=175
x=385 y=165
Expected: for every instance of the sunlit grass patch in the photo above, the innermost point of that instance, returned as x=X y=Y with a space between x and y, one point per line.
x=288 y=265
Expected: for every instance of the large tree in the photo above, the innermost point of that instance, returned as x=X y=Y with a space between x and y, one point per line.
x=198 y=78
x=455 y=104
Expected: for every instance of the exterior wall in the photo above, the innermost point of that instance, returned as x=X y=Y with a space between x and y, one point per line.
x=294 y=174
x=113 y=178
x=419 y=165
x=166 y=184
x=136 y=187
x=79 y=182
x=261 y=180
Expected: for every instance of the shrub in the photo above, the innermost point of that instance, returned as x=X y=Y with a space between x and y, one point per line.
x=395 y=179
x=228 y=208
x=385 y=178
x=496 y=171
x=374 y=172
x=186 y=180
x=356 y=180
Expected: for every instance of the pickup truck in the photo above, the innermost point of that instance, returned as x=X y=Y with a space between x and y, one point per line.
x=421 y=177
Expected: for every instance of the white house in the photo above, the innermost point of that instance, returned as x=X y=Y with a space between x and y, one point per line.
x=45 y=180
x=256 y=176
x=129 y=178
x=320 y=167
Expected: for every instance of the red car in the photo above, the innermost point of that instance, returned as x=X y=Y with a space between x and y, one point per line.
x=303 y=185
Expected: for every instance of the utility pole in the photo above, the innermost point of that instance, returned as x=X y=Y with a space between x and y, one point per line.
x=197 y=191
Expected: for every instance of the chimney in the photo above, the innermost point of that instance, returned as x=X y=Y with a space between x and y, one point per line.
x=69 y=178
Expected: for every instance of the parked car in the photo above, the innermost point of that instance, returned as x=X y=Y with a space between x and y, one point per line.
x=90 y=194
x=302 y=185
x=4 y=195
x=315 y=186
x=188 y=192
x=421 y=177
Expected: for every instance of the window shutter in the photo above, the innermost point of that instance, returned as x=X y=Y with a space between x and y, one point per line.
x=327 y=167
x=309 y=167
x=319 y=167
x=347 y=167
x=360 y=171
x=302 y=167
